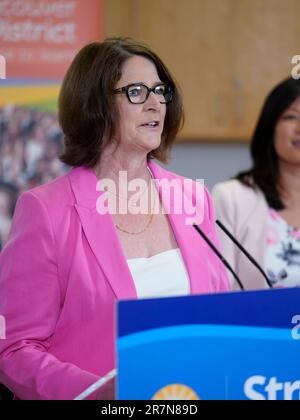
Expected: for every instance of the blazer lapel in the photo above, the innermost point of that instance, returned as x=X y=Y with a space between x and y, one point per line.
x=193 y=253
x=101 y=234
x=192 y=246
x=255 y=239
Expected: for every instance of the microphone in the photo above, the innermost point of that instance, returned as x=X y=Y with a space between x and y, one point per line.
x=219 y=255
x=245 y=252
x=97 y=385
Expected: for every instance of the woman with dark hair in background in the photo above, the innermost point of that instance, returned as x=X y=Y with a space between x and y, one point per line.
x=261 y=207
x=67 y=261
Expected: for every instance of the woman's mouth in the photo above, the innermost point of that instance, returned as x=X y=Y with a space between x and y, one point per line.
x=296 y=144
x=151 y=124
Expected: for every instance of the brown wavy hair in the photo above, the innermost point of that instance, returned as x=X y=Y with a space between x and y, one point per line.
x=88 y=113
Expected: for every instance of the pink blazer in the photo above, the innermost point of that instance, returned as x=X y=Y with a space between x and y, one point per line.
x=244 y=211
x=61 y=273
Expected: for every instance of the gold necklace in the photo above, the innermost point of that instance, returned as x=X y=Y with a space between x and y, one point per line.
x=140 y=231
x=149 y=221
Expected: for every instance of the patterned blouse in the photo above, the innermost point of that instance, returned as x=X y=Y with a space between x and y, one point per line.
x=283 y=252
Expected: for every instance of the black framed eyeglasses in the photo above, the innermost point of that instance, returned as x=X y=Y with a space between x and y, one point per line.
x=138 y=93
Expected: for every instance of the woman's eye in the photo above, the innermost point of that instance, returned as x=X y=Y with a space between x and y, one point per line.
x=134 y=92
x=291 y=117
x=160 y=90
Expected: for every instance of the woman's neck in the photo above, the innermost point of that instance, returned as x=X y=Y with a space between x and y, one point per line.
x=113 y=162
x=290 y=183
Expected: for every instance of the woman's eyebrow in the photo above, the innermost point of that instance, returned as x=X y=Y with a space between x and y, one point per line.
x=292 y=109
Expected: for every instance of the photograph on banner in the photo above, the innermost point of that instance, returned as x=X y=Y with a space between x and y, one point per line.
x=38 y=40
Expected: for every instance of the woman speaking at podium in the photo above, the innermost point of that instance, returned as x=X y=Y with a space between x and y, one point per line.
x=85 y=240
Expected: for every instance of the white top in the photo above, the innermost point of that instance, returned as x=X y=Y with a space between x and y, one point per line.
x=161 y=275
x=283 y=252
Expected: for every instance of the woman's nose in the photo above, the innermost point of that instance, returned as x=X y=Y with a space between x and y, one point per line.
x=297 y=127
x=152 y=102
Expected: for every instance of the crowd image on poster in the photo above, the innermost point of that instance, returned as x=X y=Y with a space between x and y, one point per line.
x=38 y=40
x=31 y=142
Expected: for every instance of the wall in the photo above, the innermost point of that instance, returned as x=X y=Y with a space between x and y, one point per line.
x=225 y=54
x=212 y=162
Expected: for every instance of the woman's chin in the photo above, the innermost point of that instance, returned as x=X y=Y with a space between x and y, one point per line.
x=152 y=142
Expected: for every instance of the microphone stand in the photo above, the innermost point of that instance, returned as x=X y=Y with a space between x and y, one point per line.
x=245 y=252
x=219 y=255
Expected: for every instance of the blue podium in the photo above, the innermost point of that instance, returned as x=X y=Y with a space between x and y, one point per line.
x=234 y=346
